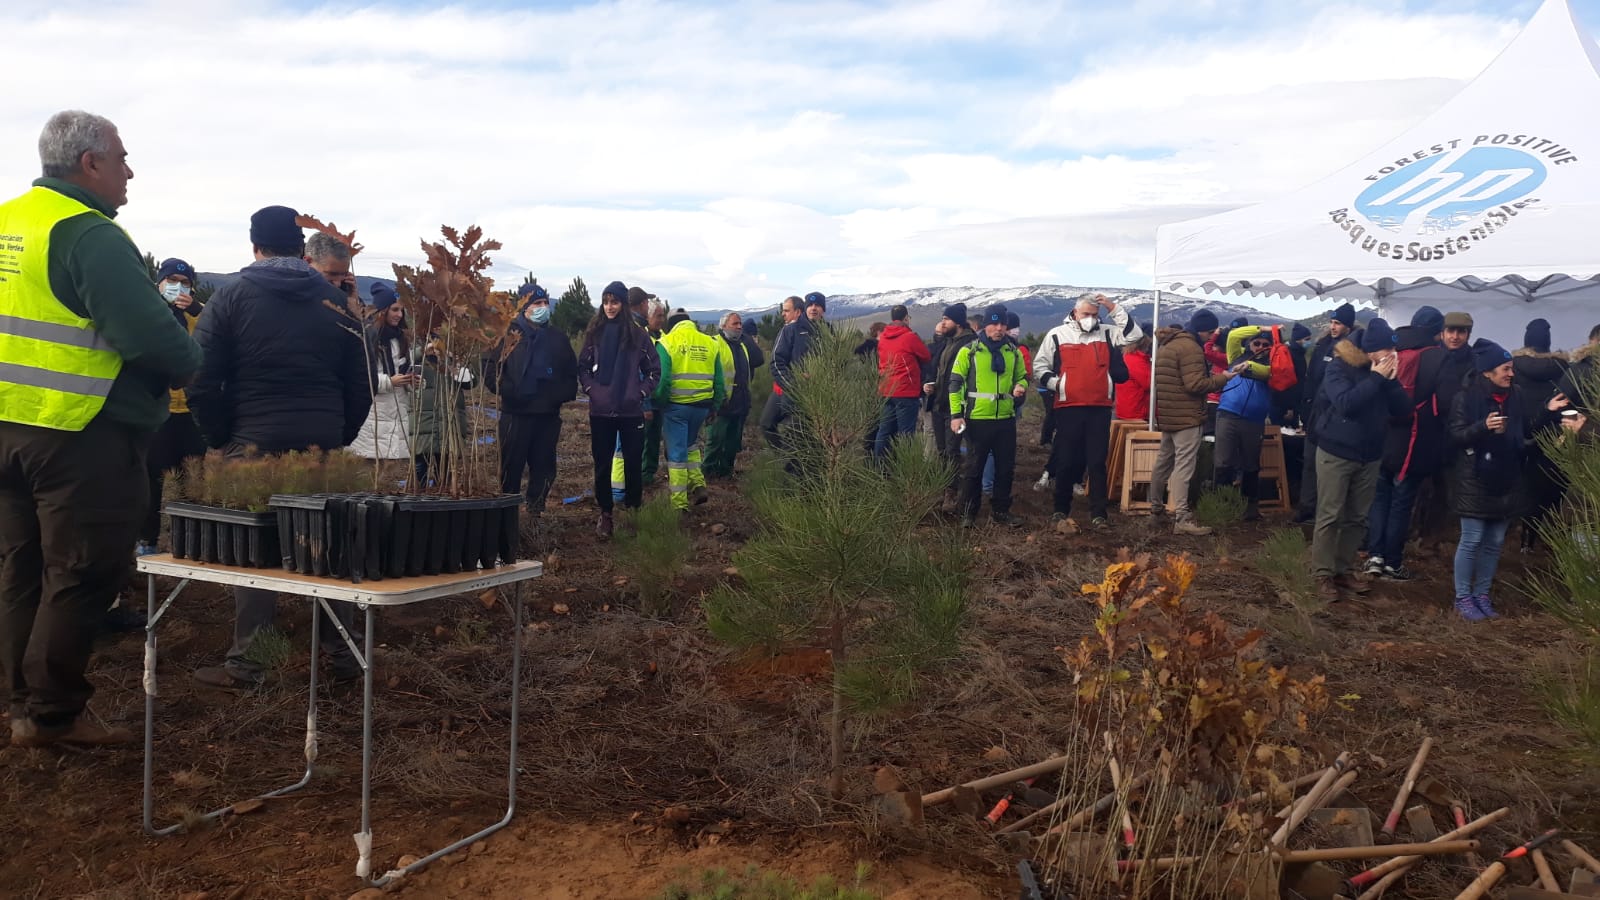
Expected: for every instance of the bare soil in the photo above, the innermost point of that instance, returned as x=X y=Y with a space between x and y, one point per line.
x=650 y=752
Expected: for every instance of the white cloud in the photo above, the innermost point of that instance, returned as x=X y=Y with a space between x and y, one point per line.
x=733 y=154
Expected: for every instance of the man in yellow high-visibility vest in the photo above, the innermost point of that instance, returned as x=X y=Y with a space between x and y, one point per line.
x=701 y=369
x=88 y=351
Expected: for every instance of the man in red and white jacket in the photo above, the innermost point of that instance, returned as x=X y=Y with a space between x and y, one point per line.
x=901 y=356
x=1079 y=361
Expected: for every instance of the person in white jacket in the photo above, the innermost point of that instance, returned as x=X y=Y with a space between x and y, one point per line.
x=385 y=433
x=1079 y=361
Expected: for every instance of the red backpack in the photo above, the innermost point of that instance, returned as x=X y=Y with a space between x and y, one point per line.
x=1281 y=362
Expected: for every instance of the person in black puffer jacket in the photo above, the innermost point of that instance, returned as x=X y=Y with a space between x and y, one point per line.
x=284 y=370
x=1492 y=430
x=1538 y=373
x=538 y=375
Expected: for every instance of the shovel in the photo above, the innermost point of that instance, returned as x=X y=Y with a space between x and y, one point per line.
x=1435 y=792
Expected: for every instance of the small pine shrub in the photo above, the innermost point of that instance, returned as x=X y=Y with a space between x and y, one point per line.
x=1220 y=507
x=1283 y=560
x=270 y=648
x=652 y=548
x=1572 y=698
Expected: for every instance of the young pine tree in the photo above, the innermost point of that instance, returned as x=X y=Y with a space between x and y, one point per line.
x=839 y=556
x=574 y=310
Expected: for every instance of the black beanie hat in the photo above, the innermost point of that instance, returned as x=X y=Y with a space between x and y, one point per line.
x=1202 y=321
x=616 y=289
x=1428 y=320
x=1299 y=332
x=995 y=315
x=1537 y=337
x=274 y=228
x=1345 y=314
x=957 y=313
x=1378 y=336
x=1488 y=356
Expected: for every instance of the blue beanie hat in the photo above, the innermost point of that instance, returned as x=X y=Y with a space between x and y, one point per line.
x=1013 y=321
x=1202 y=321
x=1488 y=356
x=1428 y=320
x=816 y=299
x=616 y=289
x=995 y=315
x=749 y=325
x=1299 y=332
x=1537 y=337
x=274 y=228
x=1345 y=314
x=1238 y=323
x=383 y=296
x=1378 y=336
x=535 y=291
x=957 y=313
x=175 y=266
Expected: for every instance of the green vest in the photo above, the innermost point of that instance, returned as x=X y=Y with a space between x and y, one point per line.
x=977 y=391
x=55 y=370
x=694 y=363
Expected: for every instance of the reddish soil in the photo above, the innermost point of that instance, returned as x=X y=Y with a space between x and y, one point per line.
x=626 y=717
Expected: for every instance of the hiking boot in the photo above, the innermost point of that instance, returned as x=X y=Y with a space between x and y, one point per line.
x=605 y=526
x=1006 y=519
x=1374 y=566
x=220 y=678
x=1043 y=483
x=1468 y=608
x=121 y=619
x=83 y=731
x=1305 y=518
x=1252 y=511
x=1190 y=527
x=1327 y=590
x=1485 y=607
x=1397 y=573
x=22 y=731
x=699 y=495
x=1158 y=511
x=1099 y=523
x=1351 y=585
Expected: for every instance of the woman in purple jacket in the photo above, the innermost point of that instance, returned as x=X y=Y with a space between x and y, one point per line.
x=617 y=368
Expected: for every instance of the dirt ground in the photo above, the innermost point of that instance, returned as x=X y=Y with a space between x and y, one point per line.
x=650 y=752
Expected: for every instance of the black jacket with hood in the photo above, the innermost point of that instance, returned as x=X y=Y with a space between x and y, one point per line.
x=1355 y=405
x=538 y=375
x=1538 y=377
x=284 y=366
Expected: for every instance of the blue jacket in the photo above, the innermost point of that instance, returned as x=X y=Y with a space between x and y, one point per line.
x=1247 y=396
x=1354 y=406
x=747 y=357
x=793 y=345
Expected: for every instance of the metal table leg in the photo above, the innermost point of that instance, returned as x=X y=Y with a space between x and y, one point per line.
x=364 y=839
x=154 y=618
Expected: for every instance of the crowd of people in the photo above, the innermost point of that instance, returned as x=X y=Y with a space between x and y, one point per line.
x=110 y=380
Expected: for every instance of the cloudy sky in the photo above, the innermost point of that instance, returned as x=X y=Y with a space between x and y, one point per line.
x=728 y=154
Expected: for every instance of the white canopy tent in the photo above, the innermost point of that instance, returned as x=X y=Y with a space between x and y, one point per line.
x=1491 y=205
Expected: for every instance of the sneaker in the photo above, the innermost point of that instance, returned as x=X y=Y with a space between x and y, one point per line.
x=1190 y=527
x=1397 y=573
x=220 y=678
x=83 y=731
x=1328 y=590
x=604 y=527
x=145 y=548
x=698 y=496
x=1043 y=483
x=1351 y=585
x=1374 y=566
x=1006 y=519
x=1485 y=607
x=1099 y=523
x=1468 y=608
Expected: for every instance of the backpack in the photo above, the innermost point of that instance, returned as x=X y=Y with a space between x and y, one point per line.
x=1281 y=364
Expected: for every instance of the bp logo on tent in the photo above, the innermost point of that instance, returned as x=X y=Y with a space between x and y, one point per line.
x=1450 y=191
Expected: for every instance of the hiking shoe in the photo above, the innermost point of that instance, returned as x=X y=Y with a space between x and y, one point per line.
x=1374 y=566
x=121 y=619
x=1468 y=608
x=1099 y=523
x=1158 y=511
x=1397 y=573
x=83 y=731
x=1043 y=482
x=604 y=527
x=1190 y=527
x=1351 y=585
x=1006 y=519
x=22 y=730
x=1485 y=607
x=1327 y=590
x=220 y=678
x=699 y=495
x=1305 y=518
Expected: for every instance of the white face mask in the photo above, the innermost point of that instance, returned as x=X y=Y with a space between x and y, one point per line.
x=1088 y=323
x=1016 y=333
x=732 y=334
x=172 y=290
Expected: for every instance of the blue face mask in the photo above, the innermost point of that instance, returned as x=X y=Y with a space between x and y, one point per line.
x=539 y=315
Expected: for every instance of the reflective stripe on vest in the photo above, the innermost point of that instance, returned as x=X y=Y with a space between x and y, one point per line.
x=693 y=363
x=57 y=370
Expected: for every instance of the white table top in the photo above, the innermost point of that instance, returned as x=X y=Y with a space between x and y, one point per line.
x=387 y=592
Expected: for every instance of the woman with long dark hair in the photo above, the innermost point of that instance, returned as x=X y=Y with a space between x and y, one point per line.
x=384 y=434
x=618 y=369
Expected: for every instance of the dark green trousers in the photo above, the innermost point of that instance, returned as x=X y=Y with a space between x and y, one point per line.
x=652 y=448
x=723 y=446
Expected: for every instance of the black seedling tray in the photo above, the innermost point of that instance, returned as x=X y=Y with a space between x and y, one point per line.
x=229 y=537
x=367 y=537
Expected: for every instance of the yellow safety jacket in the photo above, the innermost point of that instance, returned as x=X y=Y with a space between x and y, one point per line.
x=976 y=390
x=55 y=369
x=700 y=365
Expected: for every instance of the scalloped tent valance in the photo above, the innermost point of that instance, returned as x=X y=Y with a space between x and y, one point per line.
x=1490 y=205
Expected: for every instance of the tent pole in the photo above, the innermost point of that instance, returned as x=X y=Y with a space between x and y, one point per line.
x=1155 y=326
